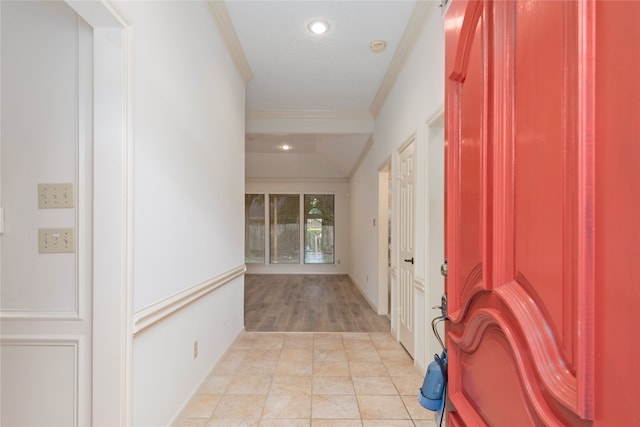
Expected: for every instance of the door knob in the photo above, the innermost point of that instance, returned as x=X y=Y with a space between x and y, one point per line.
x=409 y=260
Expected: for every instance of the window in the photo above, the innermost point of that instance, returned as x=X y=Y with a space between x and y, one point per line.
x=295 y=223
x=284 y=226
x=254 y=229
x=318 y=229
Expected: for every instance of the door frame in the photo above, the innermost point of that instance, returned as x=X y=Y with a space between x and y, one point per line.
x=433 y=296
x=113 y=213
x=384 y=258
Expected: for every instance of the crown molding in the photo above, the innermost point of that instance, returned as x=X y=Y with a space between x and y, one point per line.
x=309 y=115
x=363 y=154
x=418 y=17
x=230 y=37
x=98 y=14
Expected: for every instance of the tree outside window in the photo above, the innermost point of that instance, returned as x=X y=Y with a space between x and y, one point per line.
x=319 y=228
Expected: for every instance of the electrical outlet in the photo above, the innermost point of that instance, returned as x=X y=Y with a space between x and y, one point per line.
x=55 y=196
x=195 y=349
x=55 y=240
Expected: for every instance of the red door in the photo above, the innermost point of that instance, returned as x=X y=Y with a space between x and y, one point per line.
x=536 y=250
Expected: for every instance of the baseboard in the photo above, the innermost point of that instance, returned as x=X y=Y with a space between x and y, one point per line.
x=201 y=384
x=359 y=288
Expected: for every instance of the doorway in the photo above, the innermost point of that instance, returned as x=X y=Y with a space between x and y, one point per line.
x=406 y=245
x=384 y=238
x=435 y=225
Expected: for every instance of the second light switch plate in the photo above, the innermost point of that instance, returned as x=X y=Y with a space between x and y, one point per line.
x=56 y=240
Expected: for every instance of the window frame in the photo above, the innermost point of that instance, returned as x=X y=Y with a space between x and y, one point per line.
x=305 y=218
x=301 y=227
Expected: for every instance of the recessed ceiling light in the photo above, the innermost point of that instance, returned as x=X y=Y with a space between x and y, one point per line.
x=285 y=147
x=318 y=27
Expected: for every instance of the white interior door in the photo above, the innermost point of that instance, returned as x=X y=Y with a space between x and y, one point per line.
x=406 y=312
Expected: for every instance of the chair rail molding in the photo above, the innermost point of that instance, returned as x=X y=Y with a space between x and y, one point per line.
x=160 y=310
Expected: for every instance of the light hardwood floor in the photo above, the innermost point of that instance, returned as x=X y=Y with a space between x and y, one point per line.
x=308 y=303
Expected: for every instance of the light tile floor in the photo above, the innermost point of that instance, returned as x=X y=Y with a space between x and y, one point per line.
x=311 y=380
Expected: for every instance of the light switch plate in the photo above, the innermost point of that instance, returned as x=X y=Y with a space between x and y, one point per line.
x=56 y=240
x=55 y=196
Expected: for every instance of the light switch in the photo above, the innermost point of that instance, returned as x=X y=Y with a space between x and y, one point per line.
x=56 y=240
x=55 y=196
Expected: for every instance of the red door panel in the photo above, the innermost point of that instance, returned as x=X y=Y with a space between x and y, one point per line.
x=540 y=164
x=467 y=123
x=520 y=202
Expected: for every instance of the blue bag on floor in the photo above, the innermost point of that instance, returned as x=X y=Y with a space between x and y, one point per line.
x=431 y=394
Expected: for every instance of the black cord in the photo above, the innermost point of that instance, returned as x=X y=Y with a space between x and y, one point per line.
x=444 y=407
x=443 y=362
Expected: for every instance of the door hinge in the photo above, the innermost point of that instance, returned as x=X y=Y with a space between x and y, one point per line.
x=444 y=268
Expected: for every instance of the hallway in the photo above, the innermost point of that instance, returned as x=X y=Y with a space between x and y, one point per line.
x=311 y=380
x=307 y=303
x=332 y=362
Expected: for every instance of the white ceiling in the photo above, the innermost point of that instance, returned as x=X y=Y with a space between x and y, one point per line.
x=317 y=93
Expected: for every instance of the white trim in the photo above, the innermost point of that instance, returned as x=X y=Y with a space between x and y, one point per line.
x=309 y=121
x=84 y=167
x=111 y=340
x=419 y=283
x=412 y=138
x=181 y=413
x=230 y=37
x=363 y=293
x=437 y=119
x=418 y=17
x=383 y=255
x=77 y=343
x=309 y=115
x=363 y=155
x=255 y=180
x=158 y=311
x=98 y=14
x=126 y=330
x=36 y=314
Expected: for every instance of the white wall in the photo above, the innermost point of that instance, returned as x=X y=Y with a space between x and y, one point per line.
x=340 y=189
x=45 y=301
x=188 y=149
x=417 y=95
x=39 y=99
